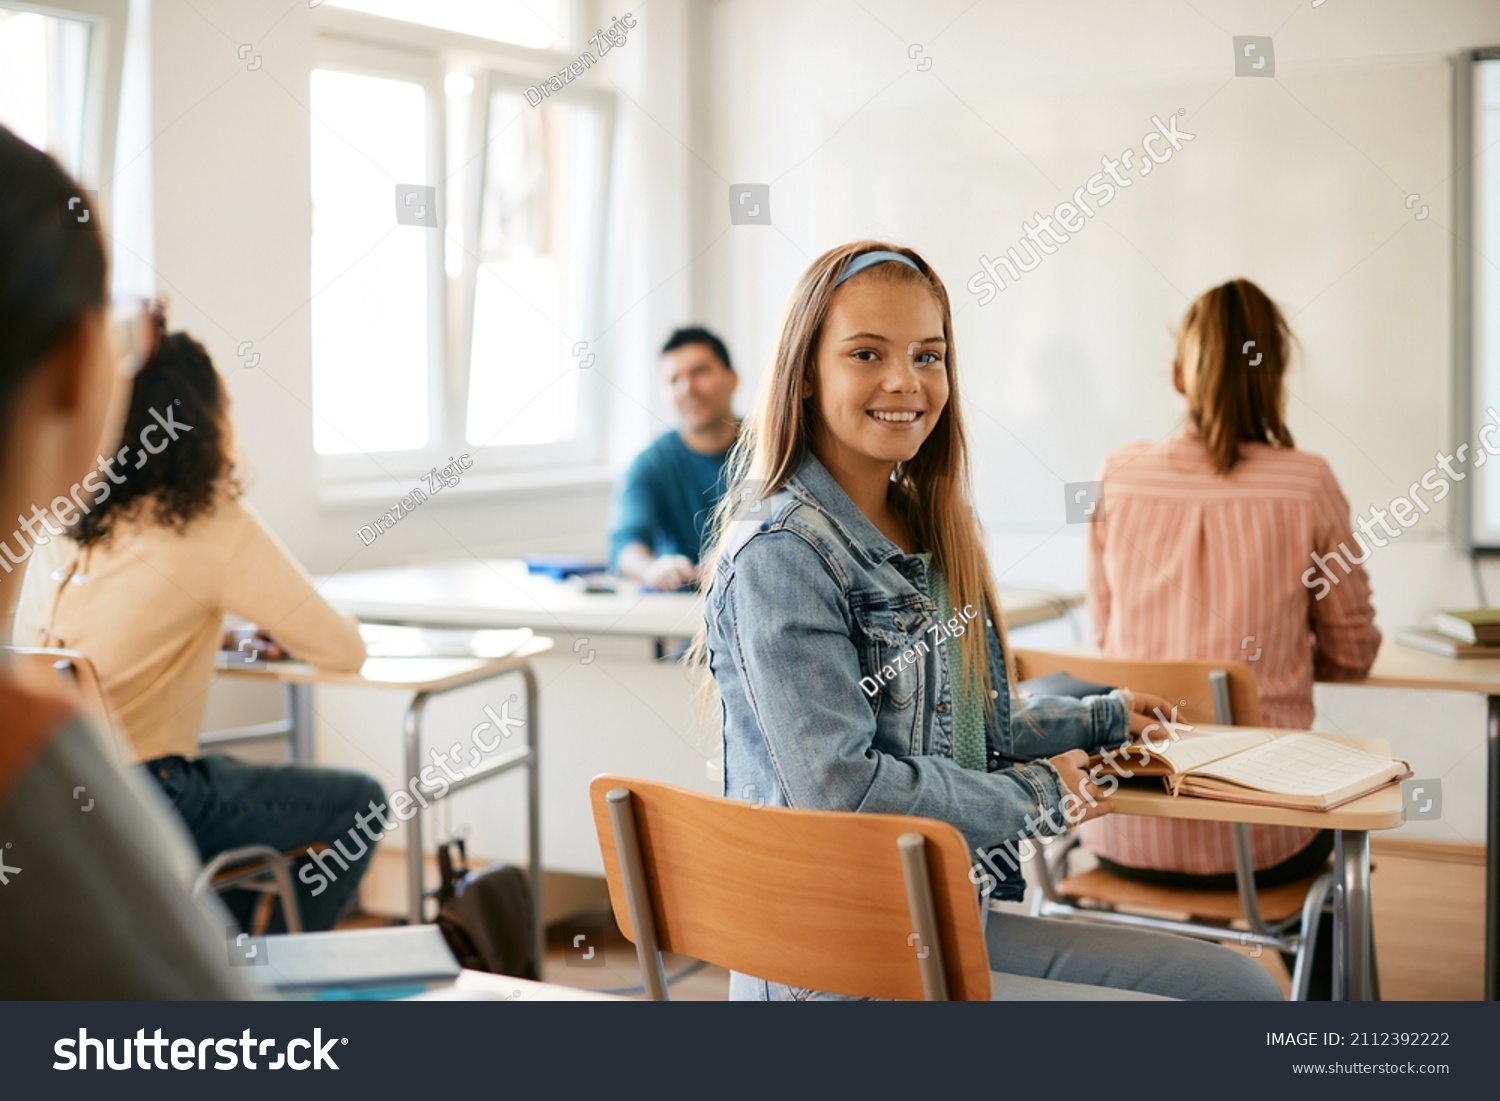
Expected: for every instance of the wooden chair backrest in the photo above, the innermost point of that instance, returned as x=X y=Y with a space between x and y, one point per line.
x=1173 y=680
x=44 y=670
x=813 y=899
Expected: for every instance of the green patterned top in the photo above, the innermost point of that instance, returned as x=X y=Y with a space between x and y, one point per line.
x=969 y=748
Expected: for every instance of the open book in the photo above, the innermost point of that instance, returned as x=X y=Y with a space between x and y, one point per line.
x=1269 y=767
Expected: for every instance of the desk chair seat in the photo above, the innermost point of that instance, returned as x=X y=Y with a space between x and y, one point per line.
x=1284 y=918
x=1276 y=903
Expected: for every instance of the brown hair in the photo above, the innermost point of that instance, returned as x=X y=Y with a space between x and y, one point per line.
x=1232 y=351
x=931 y=492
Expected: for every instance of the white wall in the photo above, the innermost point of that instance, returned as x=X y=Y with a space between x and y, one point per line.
x=1297 y=182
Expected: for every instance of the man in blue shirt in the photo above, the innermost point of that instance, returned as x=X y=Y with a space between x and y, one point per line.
x=672 y=487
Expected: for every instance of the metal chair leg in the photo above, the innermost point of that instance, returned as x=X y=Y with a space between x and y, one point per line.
x=637 y=894
x=923 y=911
x=275 y=864
x=1312 y=918
x=1051 y=869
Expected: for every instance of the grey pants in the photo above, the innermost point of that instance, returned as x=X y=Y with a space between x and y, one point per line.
x=1046 y=960
x=1043 y=959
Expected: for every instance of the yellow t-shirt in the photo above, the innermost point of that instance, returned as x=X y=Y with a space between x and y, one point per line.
x=147 y=607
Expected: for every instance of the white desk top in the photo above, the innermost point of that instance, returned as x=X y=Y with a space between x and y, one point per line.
x=416 y=674
x=499 y=593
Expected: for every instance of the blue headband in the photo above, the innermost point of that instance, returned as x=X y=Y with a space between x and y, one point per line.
x=870 y=259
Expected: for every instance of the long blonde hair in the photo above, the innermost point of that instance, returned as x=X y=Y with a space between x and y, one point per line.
x=1232 y=352
x=931 y=492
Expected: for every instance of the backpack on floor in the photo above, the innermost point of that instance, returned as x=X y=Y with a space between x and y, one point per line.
x=486 y=916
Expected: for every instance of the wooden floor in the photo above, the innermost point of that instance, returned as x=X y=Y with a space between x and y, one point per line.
x=1429 y=926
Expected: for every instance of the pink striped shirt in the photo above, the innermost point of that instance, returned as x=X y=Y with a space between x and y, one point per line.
x=1191 y=564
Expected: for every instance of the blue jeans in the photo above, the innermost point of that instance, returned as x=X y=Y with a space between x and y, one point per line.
x=1043 y=959
x=227 y=803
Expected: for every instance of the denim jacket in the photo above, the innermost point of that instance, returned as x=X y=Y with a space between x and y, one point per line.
x=834 y=684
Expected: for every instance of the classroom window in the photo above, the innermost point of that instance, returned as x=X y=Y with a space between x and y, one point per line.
x=370 y=324
x=458 y=336
x=541 y=24
x=534 y=237
x=60 y=89
x=44 y=70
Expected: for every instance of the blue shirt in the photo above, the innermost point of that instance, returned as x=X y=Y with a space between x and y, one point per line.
x=666 y=499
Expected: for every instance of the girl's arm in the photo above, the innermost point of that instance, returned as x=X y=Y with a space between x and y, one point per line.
x=1043 y=726
x=1343 y=620
x=265 y=584
x=788 y=672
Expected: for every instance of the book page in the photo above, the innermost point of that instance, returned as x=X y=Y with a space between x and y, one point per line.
x=1193 y=750
x=1299 y=764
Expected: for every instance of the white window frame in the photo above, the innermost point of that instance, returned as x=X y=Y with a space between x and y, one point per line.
x=1475 y=533
x=107 y=20
x=356 y=42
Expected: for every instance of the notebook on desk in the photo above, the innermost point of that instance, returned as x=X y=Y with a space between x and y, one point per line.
x=355 y=963
x=1265 y=767
x=1435 y=642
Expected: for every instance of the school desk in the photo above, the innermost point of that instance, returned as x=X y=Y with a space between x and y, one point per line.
x=424 y=678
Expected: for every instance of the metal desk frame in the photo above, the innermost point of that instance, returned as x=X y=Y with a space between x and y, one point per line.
x=296 y=729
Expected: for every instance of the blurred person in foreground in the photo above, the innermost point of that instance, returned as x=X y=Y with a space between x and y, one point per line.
x=95 y=898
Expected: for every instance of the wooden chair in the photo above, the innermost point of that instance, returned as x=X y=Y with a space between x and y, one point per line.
x=252 y=868
x=869 y=905
x=1285 y=917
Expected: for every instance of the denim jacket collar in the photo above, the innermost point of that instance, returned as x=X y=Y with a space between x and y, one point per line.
x=814 y=485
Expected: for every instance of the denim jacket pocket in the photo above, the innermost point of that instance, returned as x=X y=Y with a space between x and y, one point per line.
x=891 y=660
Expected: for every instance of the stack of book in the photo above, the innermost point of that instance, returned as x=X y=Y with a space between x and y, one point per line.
x=1459 y=633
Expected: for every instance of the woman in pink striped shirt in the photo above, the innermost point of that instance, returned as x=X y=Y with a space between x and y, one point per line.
x=1208 y=536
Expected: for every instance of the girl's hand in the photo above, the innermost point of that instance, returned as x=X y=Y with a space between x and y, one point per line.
x=1072 y=769
x=1143 y=707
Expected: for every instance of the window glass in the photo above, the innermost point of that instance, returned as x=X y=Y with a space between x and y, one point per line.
x=370 y=277
x=536 y=215
x=44 y=82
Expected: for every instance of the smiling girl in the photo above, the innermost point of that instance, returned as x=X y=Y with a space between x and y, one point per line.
x=835 y=692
